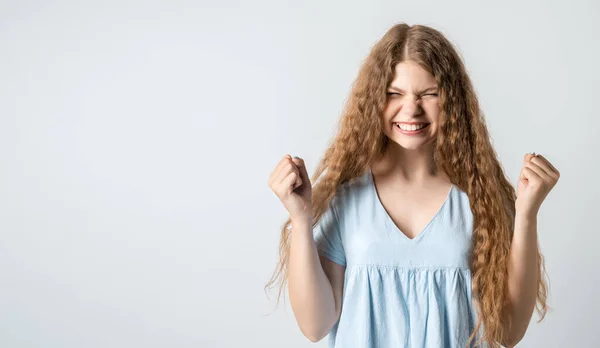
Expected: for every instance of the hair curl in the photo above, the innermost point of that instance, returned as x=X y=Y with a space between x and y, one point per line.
x=462 y=149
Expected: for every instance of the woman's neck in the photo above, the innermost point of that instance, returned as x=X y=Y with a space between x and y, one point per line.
x=409 y=166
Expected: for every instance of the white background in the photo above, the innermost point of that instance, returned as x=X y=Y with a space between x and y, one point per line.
x=137 y=138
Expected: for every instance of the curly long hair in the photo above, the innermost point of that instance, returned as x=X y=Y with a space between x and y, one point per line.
x=462 y=149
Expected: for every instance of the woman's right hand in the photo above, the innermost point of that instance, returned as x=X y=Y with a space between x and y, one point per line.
x=290 y=182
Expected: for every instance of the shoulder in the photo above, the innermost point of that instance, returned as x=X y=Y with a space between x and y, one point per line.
x=460 y=208
x=352 y=193
x=461 y=197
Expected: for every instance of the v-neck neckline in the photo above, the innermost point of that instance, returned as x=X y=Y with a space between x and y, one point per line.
x=389 y=219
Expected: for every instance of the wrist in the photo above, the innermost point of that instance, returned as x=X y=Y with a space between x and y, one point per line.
x=529 y=216
x=525 y=211
x=301 y=221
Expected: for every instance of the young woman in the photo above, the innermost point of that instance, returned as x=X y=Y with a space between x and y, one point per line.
x=412 y=236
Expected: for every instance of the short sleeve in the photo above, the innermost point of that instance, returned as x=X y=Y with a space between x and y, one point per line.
x=327 y=236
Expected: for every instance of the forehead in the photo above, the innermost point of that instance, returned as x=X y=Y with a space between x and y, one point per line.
x=409 y=73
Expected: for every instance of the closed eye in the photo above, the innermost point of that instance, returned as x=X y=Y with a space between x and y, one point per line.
x=393 y=93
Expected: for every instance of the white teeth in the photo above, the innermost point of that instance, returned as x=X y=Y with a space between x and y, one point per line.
x=411 y=127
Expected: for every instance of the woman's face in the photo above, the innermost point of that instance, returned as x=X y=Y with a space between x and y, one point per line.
x=412 y=110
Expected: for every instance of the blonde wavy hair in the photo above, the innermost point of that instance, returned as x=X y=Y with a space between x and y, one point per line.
x=462 y=149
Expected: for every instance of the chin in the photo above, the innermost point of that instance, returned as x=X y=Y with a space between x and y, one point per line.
x=410 y=146
x=411 y=142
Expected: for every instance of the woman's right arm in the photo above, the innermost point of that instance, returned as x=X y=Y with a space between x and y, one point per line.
x=315 y=285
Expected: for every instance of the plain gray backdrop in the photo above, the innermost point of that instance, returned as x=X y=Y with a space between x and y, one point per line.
x=137 y=139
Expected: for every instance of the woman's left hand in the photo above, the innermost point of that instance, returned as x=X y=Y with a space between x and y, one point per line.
x=538 y=176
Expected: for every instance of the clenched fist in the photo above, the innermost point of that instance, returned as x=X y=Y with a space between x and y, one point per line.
x=538 y=176
x=290 y=182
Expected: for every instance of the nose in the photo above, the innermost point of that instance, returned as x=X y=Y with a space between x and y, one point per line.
x=411 y=106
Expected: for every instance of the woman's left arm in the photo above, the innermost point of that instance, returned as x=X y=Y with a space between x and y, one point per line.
x=538 y=176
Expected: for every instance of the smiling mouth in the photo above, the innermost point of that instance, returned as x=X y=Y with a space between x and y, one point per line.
x=411 y=127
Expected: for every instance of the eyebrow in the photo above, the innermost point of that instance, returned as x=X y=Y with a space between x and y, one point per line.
x=432 y=88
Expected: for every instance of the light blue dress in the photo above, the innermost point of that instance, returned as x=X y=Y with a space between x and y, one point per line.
x=399 y=292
